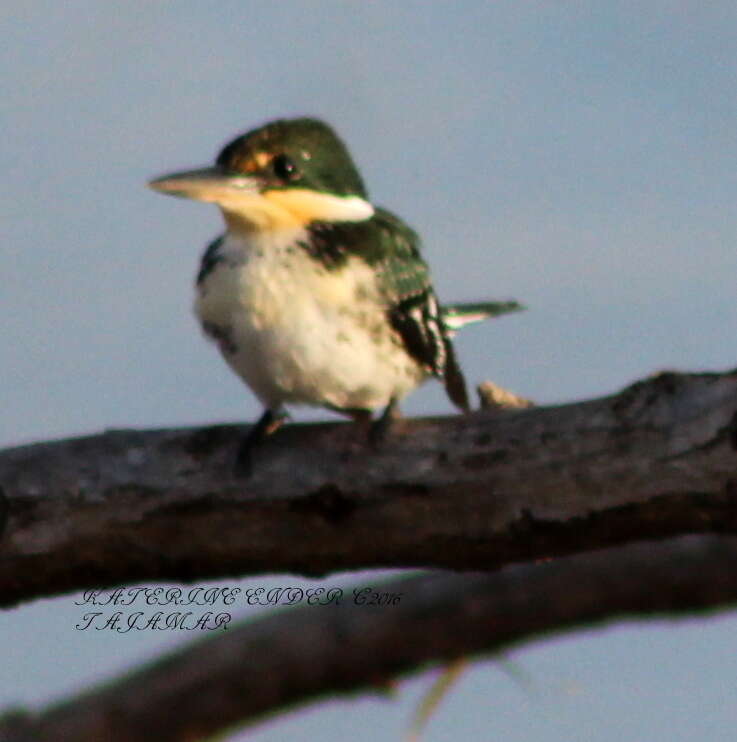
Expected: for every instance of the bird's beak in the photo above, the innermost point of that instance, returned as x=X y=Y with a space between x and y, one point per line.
x=211 y=184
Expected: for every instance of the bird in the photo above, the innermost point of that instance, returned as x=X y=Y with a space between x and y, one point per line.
x=314 y=295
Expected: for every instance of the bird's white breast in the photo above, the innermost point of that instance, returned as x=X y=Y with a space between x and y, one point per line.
x=296 y=331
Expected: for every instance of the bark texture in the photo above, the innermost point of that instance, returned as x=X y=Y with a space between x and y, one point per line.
x=301 y=654
x=468 y=493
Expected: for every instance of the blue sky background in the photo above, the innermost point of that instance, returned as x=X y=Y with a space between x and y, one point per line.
x=578 y=156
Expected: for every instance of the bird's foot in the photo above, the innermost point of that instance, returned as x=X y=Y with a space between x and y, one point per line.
x=381 y=428
x=267 y=424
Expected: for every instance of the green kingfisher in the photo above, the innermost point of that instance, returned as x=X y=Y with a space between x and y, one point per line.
x=314 y=295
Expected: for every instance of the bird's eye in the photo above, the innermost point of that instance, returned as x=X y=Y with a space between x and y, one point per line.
x=284 y=168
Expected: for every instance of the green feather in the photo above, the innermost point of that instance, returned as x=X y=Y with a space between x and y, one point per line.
x=458 y=315
x=401 y=271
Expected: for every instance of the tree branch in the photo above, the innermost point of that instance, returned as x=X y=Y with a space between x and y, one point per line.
x=299 y=654
x=474 y=492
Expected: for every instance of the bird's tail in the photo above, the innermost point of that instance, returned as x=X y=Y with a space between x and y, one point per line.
x=456 y=316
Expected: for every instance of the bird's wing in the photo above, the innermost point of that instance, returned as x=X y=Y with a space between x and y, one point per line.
x=404 y=280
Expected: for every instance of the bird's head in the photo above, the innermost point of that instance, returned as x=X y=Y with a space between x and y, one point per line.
x=289 y=172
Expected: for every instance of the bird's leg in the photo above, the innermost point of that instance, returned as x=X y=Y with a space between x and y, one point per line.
x=381 y=427
x=361 y=418
x=267 y=424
